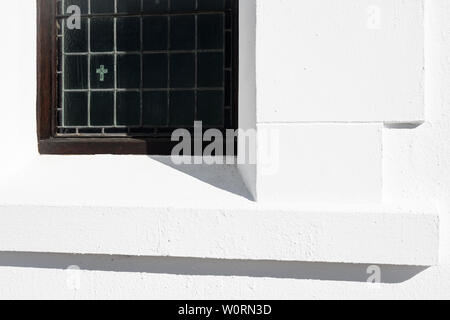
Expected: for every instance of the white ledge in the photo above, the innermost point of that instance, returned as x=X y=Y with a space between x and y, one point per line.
x=283 y=235
x=195 y=212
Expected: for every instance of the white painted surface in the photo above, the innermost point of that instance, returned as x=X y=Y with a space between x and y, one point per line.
x=341 y=65
x=122 y=181
x=18 y=85
x=375 y=235
x=416 y=167
x=247 y=89
x=320 y=163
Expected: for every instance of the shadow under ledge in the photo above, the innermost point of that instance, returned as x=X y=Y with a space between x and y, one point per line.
x=210 y=267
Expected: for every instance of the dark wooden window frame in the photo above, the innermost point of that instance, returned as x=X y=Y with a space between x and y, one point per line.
x=48 y=142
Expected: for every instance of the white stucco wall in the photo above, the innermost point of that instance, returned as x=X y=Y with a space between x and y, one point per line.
x=416 y=166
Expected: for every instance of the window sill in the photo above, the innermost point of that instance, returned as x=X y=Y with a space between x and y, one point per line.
x=149 y=207
x=86 y=146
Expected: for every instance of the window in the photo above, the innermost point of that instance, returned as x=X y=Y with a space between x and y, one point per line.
x=122 y=75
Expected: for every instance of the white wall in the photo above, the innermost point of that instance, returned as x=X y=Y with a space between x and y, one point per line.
x=247 y=87
x=18 y=67
x=416 y=166
x=349 y=60
x=329 y=75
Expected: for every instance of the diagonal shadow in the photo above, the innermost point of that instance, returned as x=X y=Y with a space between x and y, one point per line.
x=222 y=176
x=210 y=267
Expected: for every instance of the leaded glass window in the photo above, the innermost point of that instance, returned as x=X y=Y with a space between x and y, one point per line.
x=142 y=68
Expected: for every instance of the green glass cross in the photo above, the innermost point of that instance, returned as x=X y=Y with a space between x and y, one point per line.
x=102 y=71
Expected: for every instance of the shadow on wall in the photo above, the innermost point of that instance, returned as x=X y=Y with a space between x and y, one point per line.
x=225 y=177
x=209 y=267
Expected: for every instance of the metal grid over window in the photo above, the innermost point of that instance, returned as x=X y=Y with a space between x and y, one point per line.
x=144 y=67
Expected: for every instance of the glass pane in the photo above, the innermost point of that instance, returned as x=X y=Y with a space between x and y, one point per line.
x=128 y=6
x=128 y=108
x=102 y=72
x=228 y=50
x=75 y=108
x=82 y=4
x=155 y=70
x=129 y=71
x=228 y=84
x=182 y=70
x=182 y=108
x=210 y=107
x=155 y=31
x=210 y=69
x=182 y=33
x=128 y=34
x=156 y=6
x=179 y=5
x=75 y=73
x=102 y=6
x=210 y=31
x=102 y=34
x=102 y=108
x=156 y=66
x=211 y=4
x=155 y=108
x=75 y=40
